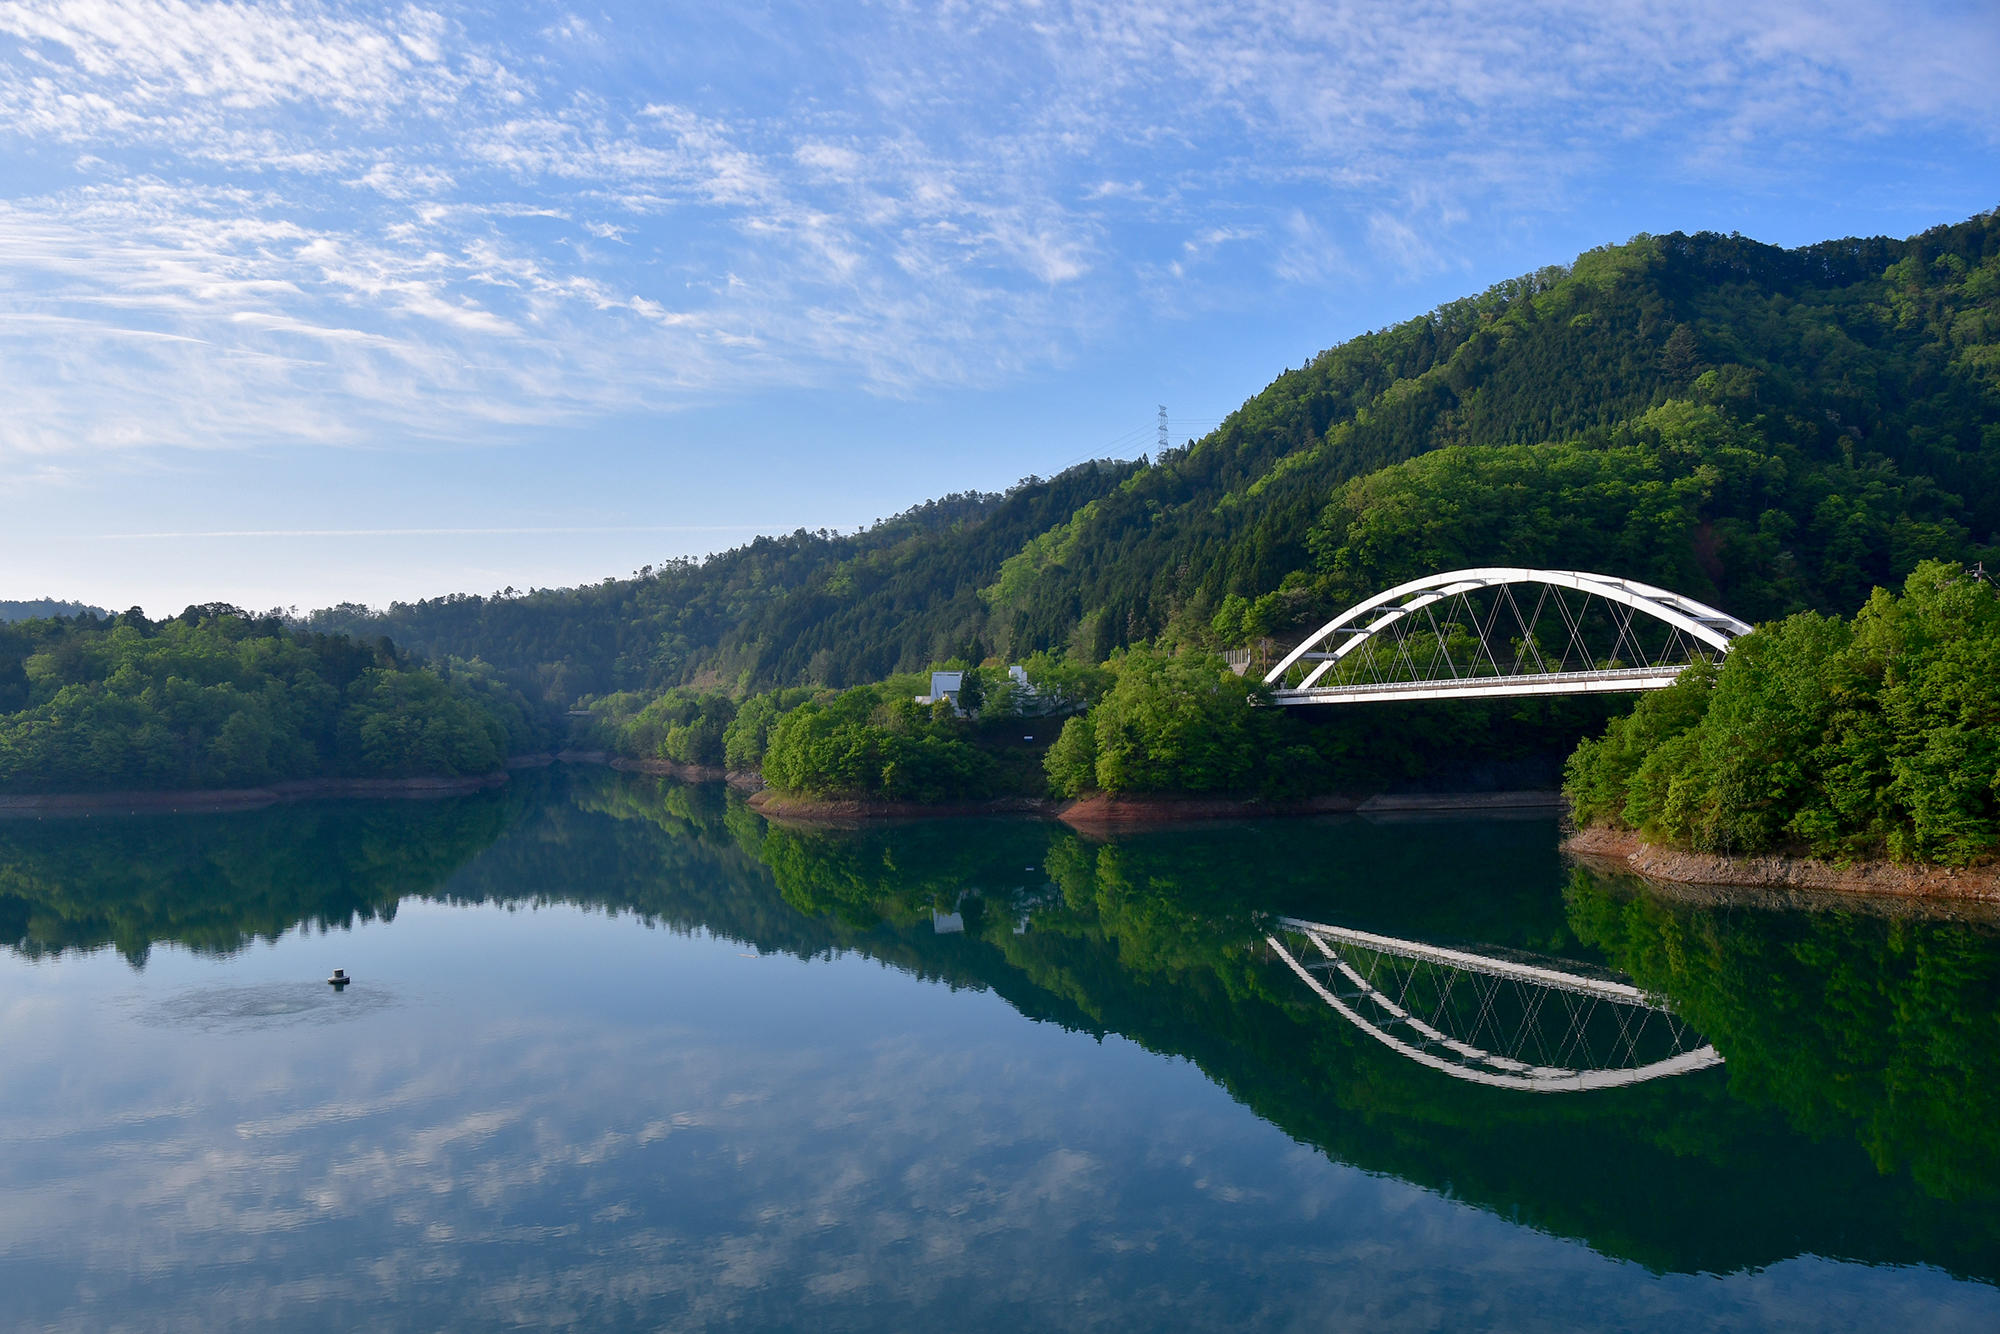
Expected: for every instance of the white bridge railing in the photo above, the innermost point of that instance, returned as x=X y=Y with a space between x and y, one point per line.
x=1502 y=631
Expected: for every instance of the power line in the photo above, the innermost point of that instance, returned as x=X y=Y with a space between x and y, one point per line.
x=1160 y=429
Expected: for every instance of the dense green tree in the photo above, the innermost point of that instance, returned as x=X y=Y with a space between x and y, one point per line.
x=749 y=733
x=217 y=699
x=1180 y=723
x=686 y=726
x=875 y=742
x=1072 y=761
x=1845 y=738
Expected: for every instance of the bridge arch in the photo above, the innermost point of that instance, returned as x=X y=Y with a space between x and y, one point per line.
x=1489 y=643
x=1508 y=1023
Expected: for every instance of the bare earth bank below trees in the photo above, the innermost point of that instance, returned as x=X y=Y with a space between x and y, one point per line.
x=1624 y=850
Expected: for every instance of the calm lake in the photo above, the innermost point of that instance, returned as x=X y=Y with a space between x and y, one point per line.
x=618 y=1054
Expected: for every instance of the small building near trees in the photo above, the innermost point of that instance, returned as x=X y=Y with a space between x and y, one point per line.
x=947 y=686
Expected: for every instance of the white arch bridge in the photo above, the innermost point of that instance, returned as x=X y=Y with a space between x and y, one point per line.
x=1499 y=631
x=1502 y=1022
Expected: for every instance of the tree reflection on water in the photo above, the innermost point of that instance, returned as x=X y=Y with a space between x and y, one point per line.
x=1858 y=1114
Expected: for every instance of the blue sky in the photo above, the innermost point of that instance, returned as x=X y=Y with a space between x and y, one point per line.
x=304 y=302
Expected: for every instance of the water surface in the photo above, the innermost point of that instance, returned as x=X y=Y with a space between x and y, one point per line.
x=620 y=1055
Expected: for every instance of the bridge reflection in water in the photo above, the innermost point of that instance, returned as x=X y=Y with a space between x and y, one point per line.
x=1494 y=1021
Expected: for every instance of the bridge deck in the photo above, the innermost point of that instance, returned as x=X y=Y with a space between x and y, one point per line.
x=1611 y=681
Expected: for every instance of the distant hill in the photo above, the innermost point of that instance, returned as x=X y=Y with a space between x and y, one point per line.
x=216 y=699
x=1763 y=428
x=808 y=606
x=41 y=607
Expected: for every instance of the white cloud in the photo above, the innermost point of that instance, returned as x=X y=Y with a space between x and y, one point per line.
x=830 y=160
x=240 y=55
x=1308 y=254
x=335 y=221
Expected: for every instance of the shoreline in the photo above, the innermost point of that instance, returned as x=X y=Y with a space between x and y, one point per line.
x=825 y=811
x=213 y=800
x=685 y=773
x=1107 y=812
x=1802 y=882
x=1090 y=814
x=1624 y=850
x=205 y=800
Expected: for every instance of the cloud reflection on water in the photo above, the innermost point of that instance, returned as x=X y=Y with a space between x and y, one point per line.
x=504 y=1155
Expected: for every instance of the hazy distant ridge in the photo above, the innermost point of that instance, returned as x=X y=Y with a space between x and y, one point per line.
x=37 y=608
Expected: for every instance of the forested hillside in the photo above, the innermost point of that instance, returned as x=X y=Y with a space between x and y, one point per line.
x=217 y=699
x=1771 y=430
x=809 y=607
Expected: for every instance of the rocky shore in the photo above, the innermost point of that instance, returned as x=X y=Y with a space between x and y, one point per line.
x=1624 y=850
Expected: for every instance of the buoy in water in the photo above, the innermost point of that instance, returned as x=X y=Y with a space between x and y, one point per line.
x=339 y=979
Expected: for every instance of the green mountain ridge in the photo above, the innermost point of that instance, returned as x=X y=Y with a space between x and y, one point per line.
x=1773 y=429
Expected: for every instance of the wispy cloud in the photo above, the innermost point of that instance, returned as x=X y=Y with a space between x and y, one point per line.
x=242 y=223
x=426 y=532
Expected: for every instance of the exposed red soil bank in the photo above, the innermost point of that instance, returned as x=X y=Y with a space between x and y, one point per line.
x=1874 y=879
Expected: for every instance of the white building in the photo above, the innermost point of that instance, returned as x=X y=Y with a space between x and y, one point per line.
x=1025 y=699
x=945 y=685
